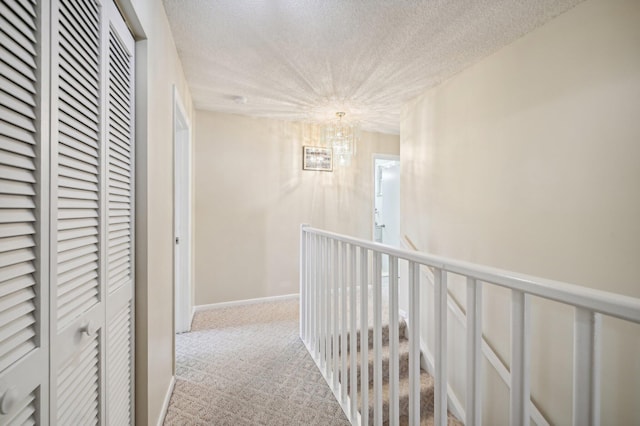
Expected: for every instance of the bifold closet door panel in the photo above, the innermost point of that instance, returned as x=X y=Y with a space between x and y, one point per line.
x=77 y=204
x=120 y=231
x=24 y=342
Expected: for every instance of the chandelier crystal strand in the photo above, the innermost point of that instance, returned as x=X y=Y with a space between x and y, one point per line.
x=342 y=136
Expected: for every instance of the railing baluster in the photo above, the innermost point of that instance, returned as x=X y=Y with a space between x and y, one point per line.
x=303 y=284
x=440 y=353
x=335 y=311
x=414 y=343
x=364 y=336
x=309 y=298
x=314 y=294
x=325 y=305
x=586 y=367
x=343 y=323
x=377 y=338
x=317 y=253
x=520 y=359
x=353 y=330
x=474 y=352
x=394 y=372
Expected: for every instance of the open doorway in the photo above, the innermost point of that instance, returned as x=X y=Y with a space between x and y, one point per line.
x=182 y=216
x=386 y=209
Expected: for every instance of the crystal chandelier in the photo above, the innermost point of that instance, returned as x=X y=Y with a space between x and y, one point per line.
x=342 y=136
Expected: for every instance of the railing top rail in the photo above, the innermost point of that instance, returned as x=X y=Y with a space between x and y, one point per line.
x=612 y=304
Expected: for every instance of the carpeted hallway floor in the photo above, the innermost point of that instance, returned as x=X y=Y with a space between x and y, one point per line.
x=247 y=366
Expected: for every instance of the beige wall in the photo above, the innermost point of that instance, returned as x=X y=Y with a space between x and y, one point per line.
x=251 y=195
x=529 y=161
x=159 y=69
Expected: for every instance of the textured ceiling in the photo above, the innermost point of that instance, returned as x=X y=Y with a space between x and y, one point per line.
x=307 y=59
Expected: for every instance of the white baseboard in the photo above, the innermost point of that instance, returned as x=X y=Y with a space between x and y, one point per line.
x=167 y=398
x=199 y=308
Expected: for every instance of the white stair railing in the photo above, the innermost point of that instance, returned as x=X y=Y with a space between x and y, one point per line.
x=336 y=272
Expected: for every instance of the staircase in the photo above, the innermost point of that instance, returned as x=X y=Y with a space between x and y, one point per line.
x=338 y=276
x=426 y=380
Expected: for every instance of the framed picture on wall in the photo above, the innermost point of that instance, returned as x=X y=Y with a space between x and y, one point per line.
x=317 y=158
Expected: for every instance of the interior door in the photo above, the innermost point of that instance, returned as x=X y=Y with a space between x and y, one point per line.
x=77 y=214
x=23 y=201
x=182 y=214
x=120 y=221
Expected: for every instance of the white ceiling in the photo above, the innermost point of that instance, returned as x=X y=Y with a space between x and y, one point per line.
x=307 y=59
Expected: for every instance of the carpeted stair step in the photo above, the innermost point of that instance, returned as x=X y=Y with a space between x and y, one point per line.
x=429 y=420
x=403 y=362
x=426 y=397
x=402 y=327
x=426 y=402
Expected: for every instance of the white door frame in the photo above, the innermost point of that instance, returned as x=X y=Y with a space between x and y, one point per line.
x=182 y=216
x=373 y=198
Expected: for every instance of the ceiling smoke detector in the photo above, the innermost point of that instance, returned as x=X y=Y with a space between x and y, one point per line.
x=240 y=100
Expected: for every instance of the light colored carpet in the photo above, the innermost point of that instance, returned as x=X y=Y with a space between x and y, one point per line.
x=247 y=366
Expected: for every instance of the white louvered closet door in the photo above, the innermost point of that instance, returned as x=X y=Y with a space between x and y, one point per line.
x=23 y=275
x=119 y=193
x=78 y=246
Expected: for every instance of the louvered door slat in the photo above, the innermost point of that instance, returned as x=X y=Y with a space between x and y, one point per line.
x=13 y=229
x=120 y=110
x=123 y=168
x=82 y=26
x=84 y=156
x=78 y=388
x=78 y=223
x=16 y=146
x=29 y=8
x=10 y=116
x=88 y=13
x=25 y=412
x=23 y=96
x=88 y=242
x=10 y=173
x=19 y=19
x=74 y=163
x=17 y=188
x=17 y=257
x=13 y=201
x=72 y=148
x=16 y=160
x=75 y=66
x=16 y=284
x=16 y=134
x=22 y=359
x=69 y=183
x=21 y=327
x=119 y=336
x=116 y=155
x=118 y=102
x=16 y=243
x=16 y=215
x=22 y=49
x=20 y=35
x=21 y=101
x=120 y=62
x=17 y=71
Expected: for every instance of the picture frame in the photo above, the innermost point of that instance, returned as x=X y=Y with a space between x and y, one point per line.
x=317 y=158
